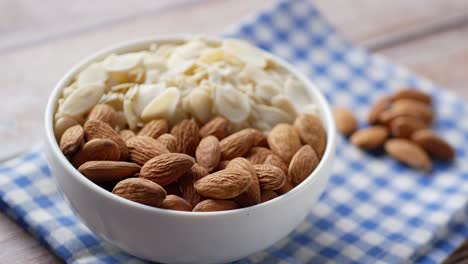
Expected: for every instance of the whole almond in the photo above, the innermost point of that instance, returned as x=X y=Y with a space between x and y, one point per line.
x=126 y=134
x=143 y=148
x=141 y=191
x=212 y=205
x=258 y=155
x=412 y=94
x=97 y=149
x=186 y=182
x=285 y=189
x=106 y=170
x=98 y=129
x=413 y=108
x=436 y=146
x=260 y=138
x=345 y=121
x=155 y=128
x=62 y=124
x=174 y=202
x=224 y=184
x=302 y=164
x=284 y=141
x=277 y=162
x=370 y=138
x=71 y=140
x=104 y=113
x=268 y=195
x=409 y=153
x=208 y=153
x=405 y=126
x=237 y=144
x=169 y=141
x=223 y=164
x=312 y=132
x=166 y=168
x=217 y=127
x=187 y=134
x=379 y=107
x=269 y=176
x=252 y=195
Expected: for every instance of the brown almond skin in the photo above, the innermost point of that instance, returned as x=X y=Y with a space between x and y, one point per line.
x=302 y=164
x=252 y=195
x=379 y=107
x=104 y=113
x=413 y=108
x=186 y=182
x=412 y=94
x=208 y=153
x=405 y=126
x=370 y=138
x=268 y=195
x=223 y=164
x=224 y=184
x=126 y=134
x=169 y=141
x=270 y=177
x=237 y=144
x=436 y=146
x=345 y=121
x=97 y=149
x=144 y=148
x=155 y=128
x=105 y=170
x=71 y=140
x=312 y=132
x=217 y=127
x=174 y=202
x=141 y=191
x=409 y=153
x=212 y=205
x=277 y=162
x=260 y=138
x=286 y=188
x=188 y=136
x=98 y=129
x=173 y=188
x=166 y=168
x=258 y=155
x=284 y=141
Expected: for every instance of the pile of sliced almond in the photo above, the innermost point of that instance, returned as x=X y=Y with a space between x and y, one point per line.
x=401 y=124
x=192 y=166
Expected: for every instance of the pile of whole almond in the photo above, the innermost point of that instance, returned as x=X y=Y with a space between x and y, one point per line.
x=401 y=123
x=191 y=168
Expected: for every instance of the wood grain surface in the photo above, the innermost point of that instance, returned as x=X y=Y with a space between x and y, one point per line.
x=40 y=40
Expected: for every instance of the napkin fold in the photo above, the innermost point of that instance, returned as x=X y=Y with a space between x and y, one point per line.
x=374 y=209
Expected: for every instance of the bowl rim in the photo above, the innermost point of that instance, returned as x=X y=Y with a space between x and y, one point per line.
x=131 y=45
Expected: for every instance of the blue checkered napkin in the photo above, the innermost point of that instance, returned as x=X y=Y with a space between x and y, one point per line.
x=374 y=209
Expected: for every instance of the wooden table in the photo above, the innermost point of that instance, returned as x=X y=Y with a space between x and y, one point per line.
x=40 y=40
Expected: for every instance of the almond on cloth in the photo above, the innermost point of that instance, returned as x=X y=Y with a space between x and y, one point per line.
x=174 y=202
x=258 y=155
x=155 y=128
x=237 y=144
x=284 y=141
x=217 y=127
x=187 y=134
x=268 y=195
x=169 y=141
x=166 y=168
x=436 y=146
x=105 y=170
x=224 y=184
x=312 y=132
x=377 y=109
x=277 y=162
x=126 y=134
x=71 y=140
x=409 y=153
x=144 y=148
x=251 y=196
x=97 y=149
x=412 y=94
x=346 y=122
x=187 y=181
x=405 y=126
x=141 y=191
x=370 y=138
x=212 y=205
x=104 y=113
x=270 y=177
x=413 y=108
x=98 y=129
x=208 y=153
x=302 y=164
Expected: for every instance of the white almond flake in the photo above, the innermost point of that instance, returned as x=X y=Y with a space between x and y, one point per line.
x=271 y=115
x=123 y=63
x=212 y=55
x=295 y=91
x=152 y=76
x=267 y=90
x=113 y=99
x=68 y=90
x=232 y=104
x=178 y=115
x=122 y=88
x=247 y=53
x=283 y=103
x=146 y=93
x=311 y=109
x=200 y=105
x=130 y=116
x=163 y=106
x=261 y=126
x=94 y=74
x=82 y=100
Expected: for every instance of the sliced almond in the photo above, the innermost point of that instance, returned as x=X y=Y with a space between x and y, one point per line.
x=436 y=146
x=169 y=141
x=231 y=103
x=405 y=126
x=224 y=184
x=94 y=74
x=71 y=140
x=163 y=106
x=302 y=164
x=174 y=202
x=187 y=134
x=208 y=153
x=141 y=191
x=345 y=121
x=237 y=144
x=105 y=113
x=166 y=168
x=200 y=105
x=82 y=100
x=212 y=205
x=143 y=148
x=252 y=195
x=217 y=127
x=270 y=177
x=186 y=182
x=312 y=132
x=97 y=149
x=370 y=138
x=284 y=141
x=105 y=170
x=409 y=153
x=155 y=128
x=412 y=94
x=98 y=129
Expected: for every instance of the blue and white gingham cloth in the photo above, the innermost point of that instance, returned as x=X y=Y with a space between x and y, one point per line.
x=374 y=210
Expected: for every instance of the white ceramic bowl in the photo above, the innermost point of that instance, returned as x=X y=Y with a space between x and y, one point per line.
x=185 y=237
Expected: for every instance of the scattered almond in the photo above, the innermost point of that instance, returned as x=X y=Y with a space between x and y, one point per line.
x=217 y=127
x=380 y=106
x=143 y=148
x=71 y=140
x=409 y=153
x=258 y=155
x=284 y=141
x=104 y=113
x=174 y=202
x=187 y=134
x=224 y=184
x=405 y=126
x=212 y=205
x=97 y=149
x=270 y=177
x=155 y=128
x=252 y=195
x=106 y=170
x=169 y=141
x=312 y=132
x=434 y=145
x=370 y=138
x=98 y=129
x=166 y=168
x=413 y=108
x=345 y=121
x=412 y=94
x=302 y=164
x=237 y=144
x=186 y=182
x=208 y=153
x=141 y=191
